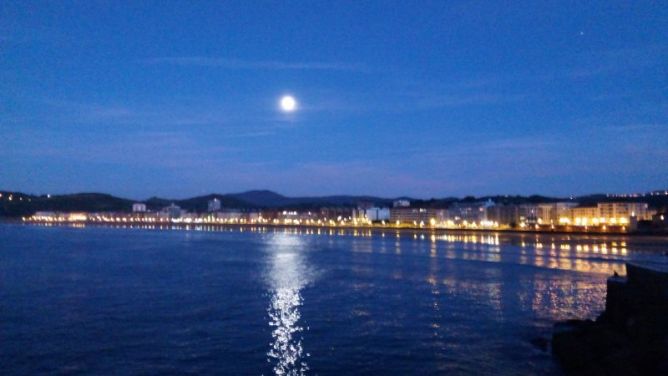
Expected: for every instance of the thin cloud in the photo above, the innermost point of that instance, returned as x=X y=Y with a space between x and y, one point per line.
x=227 y=63
x=468 y=100
x=105 y=114
x=609 y=62
x=638 y=127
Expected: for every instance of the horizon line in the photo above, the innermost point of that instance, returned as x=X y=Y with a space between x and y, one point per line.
x=381 y=197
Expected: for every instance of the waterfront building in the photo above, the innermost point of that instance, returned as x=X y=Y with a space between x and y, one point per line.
x=417 y=216
x=378 y=214
x=297 y=217
x=528 y=214
x=620 y=218
x=510 y=215
x=190 y=217
x=269 y=214
x=612 y=210
x=138 y=207
x=581 y=216
x=371 y=214
x=78 y=217
x=254 y=217
x=504 y=215
x=407 y=214
x=608 y=213
x=172 y=211
x=229 y=215
x=136 y=216
x=328 y=213
x=289 y=215
x=469 y=212
x=359 y=214
x=213 y=205
x=549 y=213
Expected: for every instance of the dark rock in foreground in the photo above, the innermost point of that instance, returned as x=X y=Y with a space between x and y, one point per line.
x=629 y=338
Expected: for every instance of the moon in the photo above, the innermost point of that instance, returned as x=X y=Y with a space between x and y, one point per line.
x=288 y=103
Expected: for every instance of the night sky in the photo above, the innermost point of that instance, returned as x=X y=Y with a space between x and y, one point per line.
x=418 y=98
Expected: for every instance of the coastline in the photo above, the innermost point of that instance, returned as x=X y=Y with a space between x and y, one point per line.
x=372 y=228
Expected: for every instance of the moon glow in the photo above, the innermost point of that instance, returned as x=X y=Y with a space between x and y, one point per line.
x=288 y=103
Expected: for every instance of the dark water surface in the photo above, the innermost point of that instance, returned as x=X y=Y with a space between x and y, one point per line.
x=282 y=301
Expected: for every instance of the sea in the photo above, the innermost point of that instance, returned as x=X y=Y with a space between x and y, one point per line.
x=149 y=300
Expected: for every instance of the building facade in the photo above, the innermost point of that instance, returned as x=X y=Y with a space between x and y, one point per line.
x=504 y=215
x=418 y=216
x=608 y=214
x=138 y=207
x=213 y=205
x=618 y=210
x=371 y=214
x=550 y=213
x=469 y=212
x=172 y=211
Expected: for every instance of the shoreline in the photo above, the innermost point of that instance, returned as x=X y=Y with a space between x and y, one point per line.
x=402 y=229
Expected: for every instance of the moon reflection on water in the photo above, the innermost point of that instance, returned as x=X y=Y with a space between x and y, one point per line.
x=287 y=275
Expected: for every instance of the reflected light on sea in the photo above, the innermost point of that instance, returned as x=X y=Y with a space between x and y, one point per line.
x=287 y=274
x=290 y=301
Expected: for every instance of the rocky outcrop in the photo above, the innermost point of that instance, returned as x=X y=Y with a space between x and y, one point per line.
x=630 y=337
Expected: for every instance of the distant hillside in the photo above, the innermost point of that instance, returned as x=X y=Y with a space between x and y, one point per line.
x=16 y=204
x=261 y=198
x=269 y=199
x=22 y=204
x=533 y=199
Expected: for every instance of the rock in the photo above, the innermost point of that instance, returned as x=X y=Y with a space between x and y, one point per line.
x=540 y=343
x=629 y=338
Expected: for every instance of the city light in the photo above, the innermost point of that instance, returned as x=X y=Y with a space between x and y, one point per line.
x=605 y=217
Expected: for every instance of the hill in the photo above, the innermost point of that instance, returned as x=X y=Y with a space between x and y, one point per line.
x=17 y=204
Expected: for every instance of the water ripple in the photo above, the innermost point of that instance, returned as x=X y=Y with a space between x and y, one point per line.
x=287 y=275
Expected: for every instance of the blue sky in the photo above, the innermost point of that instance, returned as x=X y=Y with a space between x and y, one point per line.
x=427 y=99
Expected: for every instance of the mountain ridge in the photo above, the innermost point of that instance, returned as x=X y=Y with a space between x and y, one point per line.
x=26 y=204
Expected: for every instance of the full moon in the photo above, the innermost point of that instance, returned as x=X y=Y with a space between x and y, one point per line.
x=288 y=103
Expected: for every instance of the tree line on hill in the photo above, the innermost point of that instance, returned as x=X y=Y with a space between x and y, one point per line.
x=17 y=204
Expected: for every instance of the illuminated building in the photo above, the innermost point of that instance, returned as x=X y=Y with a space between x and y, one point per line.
x=335 y=212
x=469 y=212
x=607 y=214
x=172 y=211
x=528 y=214
x=378 y=214
x=371 y=214
x=229 y=215
x=549 y=213
x=417 y=215
x=638 y=210
x=506 y=215
x=582 y=216
x=512 y=215
x=213 y=205
x=77 y=217
x=138 y=207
